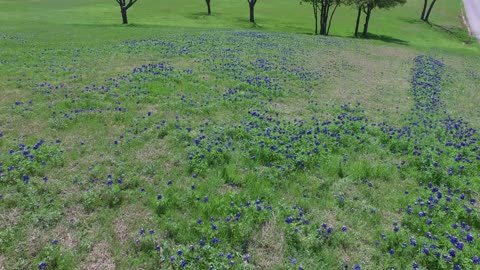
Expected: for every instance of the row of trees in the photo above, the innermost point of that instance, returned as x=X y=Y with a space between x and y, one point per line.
x=323 y=11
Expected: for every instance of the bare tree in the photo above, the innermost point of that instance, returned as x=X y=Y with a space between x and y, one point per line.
x=426 y=13
x=208 y=6
x=367 y=6
x=124 y=6
x=324 y=8
x=251 y=5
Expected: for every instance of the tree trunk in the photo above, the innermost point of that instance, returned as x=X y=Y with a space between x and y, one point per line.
x=252 y=17
x=315 y=15
x=325 y=16
x=323 y=27
x=425 y=3
x=429 y=10
x=208 y=5
x=358 y=21
x=123 y=10
x=331 y=17
x=367 y=20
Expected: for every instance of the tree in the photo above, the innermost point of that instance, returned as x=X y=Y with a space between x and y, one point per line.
x=367 y=6
x=324 y=8
x=208 y=6
x=124 y=6
x=426 y=13
x=251 y=5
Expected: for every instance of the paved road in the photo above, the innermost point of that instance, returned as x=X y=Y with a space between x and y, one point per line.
x=472 y=8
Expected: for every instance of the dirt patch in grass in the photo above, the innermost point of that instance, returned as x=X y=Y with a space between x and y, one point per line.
x=9 y=218
x=99 y=258
x=151 y=152
x=65 y=237
x=228 y=189
x=36 y=241
x=131 y=219
x=121 y=230
x=2 y=264
x=268 y=247
x=74 y=214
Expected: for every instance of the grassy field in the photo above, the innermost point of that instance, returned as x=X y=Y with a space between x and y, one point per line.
x=196 y=142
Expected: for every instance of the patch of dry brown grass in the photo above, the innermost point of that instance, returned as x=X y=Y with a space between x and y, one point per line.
x=130 y=220
x=9 y=217
x=2 y=262
x=268 y=247
x=100 y=258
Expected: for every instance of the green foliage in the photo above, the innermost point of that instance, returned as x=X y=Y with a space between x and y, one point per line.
x=29 y=161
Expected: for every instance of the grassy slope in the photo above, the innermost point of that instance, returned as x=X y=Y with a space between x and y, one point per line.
x=399 y=25
x=374 y=73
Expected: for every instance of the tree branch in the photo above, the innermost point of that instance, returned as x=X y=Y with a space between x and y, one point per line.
x=130 y=4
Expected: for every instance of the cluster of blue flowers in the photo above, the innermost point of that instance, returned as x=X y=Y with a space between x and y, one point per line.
x=440 y=226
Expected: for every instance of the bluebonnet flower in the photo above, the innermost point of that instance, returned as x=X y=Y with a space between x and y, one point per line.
x=469 y=238
x=289 y=220
x=452 y=252
x=412 y=241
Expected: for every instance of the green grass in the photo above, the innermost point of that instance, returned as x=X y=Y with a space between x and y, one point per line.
x=114 y=136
